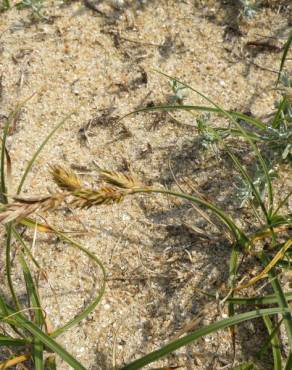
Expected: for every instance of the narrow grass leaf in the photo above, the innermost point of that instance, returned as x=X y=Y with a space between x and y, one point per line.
x=34 y=301
x=3 y=188
x=8 y=267
x=44 y=338
x=284 y=56
x=273 y=341
x=222 y=324
x=277 y=118
x=41 y=147
x=12 y=342
x=239 y=235
x=95 y=302
x=251 y=120
x=282 y=302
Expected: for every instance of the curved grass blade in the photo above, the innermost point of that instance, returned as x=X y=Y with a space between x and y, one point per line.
x=277 y=118
x=44 y=338
x=95 y=302
x=274 y=341
x=239 y=236
x=284 y=56
x=255 y=301
x=92 y=306
x=3 y=188
x=222 y=324
x=268 y=299
x=8 y=267
x=25 y=247
x=34 y=157
x=4 y=313
x=4 y=152
x=251 y=120
x=282 y=302
x=282 y=203
x=231 y=118
x=34 y=301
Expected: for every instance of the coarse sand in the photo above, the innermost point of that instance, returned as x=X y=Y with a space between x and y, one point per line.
x=156 y=250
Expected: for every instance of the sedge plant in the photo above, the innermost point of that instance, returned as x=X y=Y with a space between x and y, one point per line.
x=28 y=332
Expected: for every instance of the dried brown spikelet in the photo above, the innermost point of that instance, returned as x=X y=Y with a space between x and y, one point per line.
x=65 y=178
x=23 y=207
x=87 y=198
x=119 y=179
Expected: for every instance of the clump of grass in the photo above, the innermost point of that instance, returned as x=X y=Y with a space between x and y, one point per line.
x=272 y=221
x=27 y=324
x=24 y=328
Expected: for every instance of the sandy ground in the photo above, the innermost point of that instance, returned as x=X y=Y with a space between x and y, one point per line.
x=101 y=64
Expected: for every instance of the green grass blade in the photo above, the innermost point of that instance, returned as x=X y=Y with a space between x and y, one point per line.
x=255 y=301
x=222 y=324
x=34 y=301
x=284 y=56
x=10 y=119
x=233 y=264
x=274 y=341
x=288 y=365
x=277 y=118
x=247 y=178
x=268 y=299
x=3 y=189
x=34 y=157
x=12 y=342
x=282 y=203
x=25 y=247
x=4 y=312
x=248 y=366
x=239 y=236
x=236 y=115
x=38 y=354
x=3 y=308
x=8 y=267
x=49 y=342
x=31 y=291
x=95 y=302
x=282 y=302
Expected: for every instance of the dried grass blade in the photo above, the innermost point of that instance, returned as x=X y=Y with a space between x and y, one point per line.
x=270 y=265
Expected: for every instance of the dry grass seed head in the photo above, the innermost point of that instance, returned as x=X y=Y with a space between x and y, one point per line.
x=65 y=178
x=119 y=179
x=88 y=198
x=23 y=207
